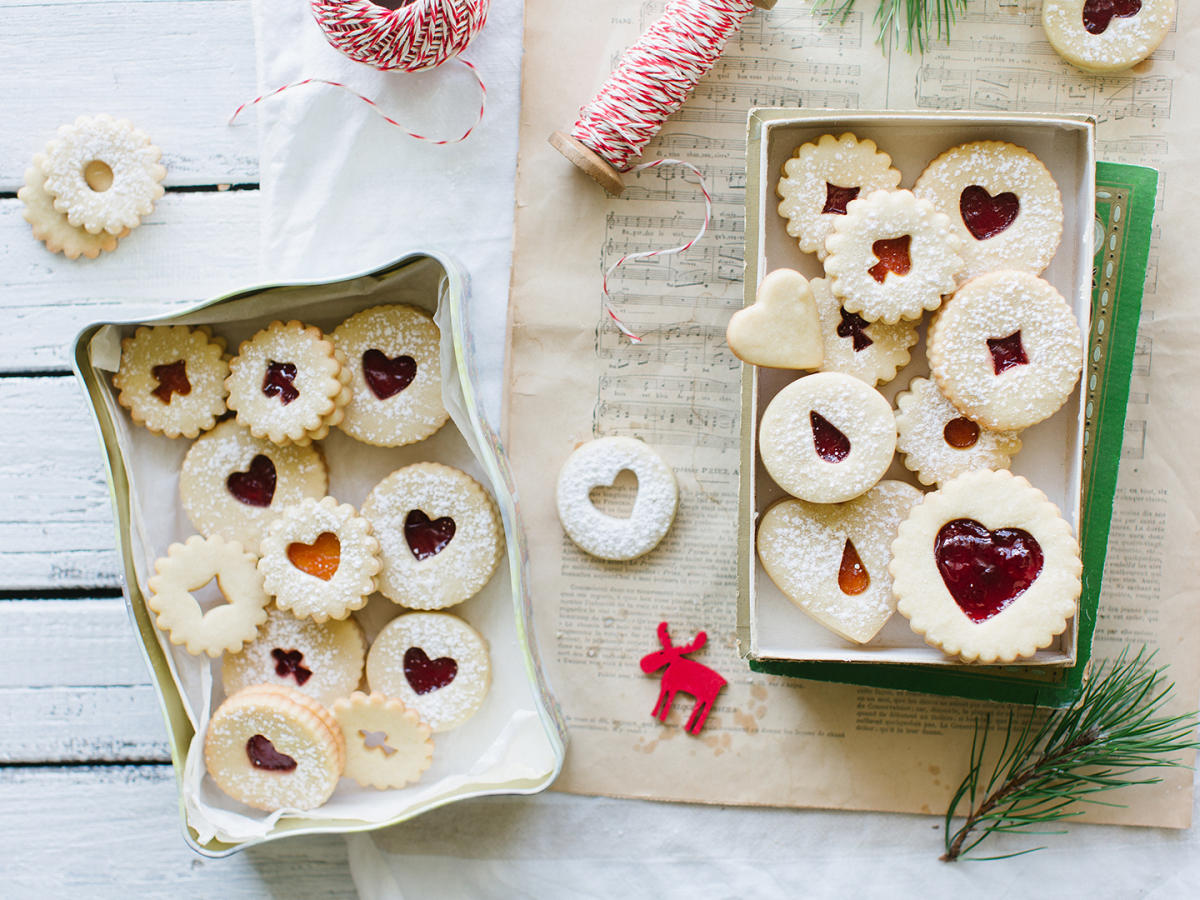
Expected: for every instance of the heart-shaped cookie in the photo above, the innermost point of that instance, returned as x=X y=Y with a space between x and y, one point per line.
x=781 y=330
x=831 y=559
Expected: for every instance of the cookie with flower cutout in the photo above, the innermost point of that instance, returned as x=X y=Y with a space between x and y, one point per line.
x=233 y=484
x=51 y=226
x=937 y=442
x=181 y=574
x=274 y=748
x=1002 y=202
x=827 y=438
x=871 y=351
x=822 y=178
x=1007 y=350
x=289 y=384
x=396 y=389
x=435 y=663
x=892 y=257
x=831 y=559
x=323 y=660
x=780 y=329
x=986 y=568
x=387 y=744
x=171 y=378
x=319 y=559
x=103 y=174
x=1106 y=35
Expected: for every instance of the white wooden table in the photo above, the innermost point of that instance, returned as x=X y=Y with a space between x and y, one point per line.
x=87 y=793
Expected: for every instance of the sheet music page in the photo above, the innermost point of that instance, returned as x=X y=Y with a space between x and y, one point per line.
x=776 y=741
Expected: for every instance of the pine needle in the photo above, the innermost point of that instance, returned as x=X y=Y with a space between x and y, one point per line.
x=902 y=22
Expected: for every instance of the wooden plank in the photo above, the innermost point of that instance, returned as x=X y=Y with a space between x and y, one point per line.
x=115 y=831
x=194 y=246
x=176 y=69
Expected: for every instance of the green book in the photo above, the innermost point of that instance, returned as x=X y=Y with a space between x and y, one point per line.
x=1125 y=197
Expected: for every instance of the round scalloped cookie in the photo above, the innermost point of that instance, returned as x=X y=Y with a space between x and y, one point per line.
x=1006 y=350
x=51 y=226
x=233 y=484
x=986 y=568
x=387 y=744
x=821 y=178
x=171 y=378
x=871 y=351
x=1106 y=36
x=394 y=358
x=1002 y=203
x=891 y=257
x=439 y=535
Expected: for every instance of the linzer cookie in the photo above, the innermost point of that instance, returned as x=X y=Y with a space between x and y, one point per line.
x=986 y=568
x=891 y=257
x=439 y=535
x=324 y=661
x=171 y=378
x=51 y=226
x=822 y=178
x=871 y=351
x=393 y=356
x=1106 y=35
x=274 y=748
x=831 y=559
x=233 y=484
x=827 y=437
x=319 y=559
x=1002 y=202
x=289 y=384
x=387 y=744
x=435 y=663
x=938 y=442
x=1006 y=350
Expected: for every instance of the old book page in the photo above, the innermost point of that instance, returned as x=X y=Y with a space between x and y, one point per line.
x=775 y=741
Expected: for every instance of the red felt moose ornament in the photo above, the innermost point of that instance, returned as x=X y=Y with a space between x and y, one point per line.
x=684 y=675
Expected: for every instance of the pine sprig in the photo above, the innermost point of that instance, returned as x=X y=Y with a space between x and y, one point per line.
x=911 y=22
x=1045 y=770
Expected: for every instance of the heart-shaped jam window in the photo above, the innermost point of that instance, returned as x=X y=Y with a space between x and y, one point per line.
x=831 y=445
x=320 y=559
x=172 y=379
x=853 y=577
x=961 y=433
x=1007 y=352
x=425 y=674
x=255 y=486
x=387 y=377
x=279 y=381
x=427 y=537
x=1097 y=14
x=838 y=198
x=290 y=662
x=893 y=256
x=854 y=326
x=984 y=215
x=984 y=570
x=263 y=755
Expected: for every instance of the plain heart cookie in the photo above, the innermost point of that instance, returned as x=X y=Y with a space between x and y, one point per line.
x=781 y=330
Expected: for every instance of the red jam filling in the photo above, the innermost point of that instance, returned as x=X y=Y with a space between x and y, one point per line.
x=892 y=254
x=278 y=382
x=853 y=577
x=320 y=559
x=854 y=326
x=427 y=537
x=386 y=377
x=291 y=662
x=255 y=486
x=984 y=570
x=838 y=198
x=961 y=433
x=1097 y=14
x=1007 y=352
x=831 y=445
x=172 y=379
x=984 y=215
x=263 y=755
x=425 y=674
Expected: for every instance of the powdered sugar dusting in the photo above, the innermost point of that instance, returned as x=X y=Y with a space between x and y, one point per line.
x=879 y=362
x=1126 y=41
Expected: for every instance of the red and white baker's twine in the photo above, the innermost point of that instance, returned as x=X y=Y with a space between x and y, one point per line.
x=418 y=36
x=652 y=80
